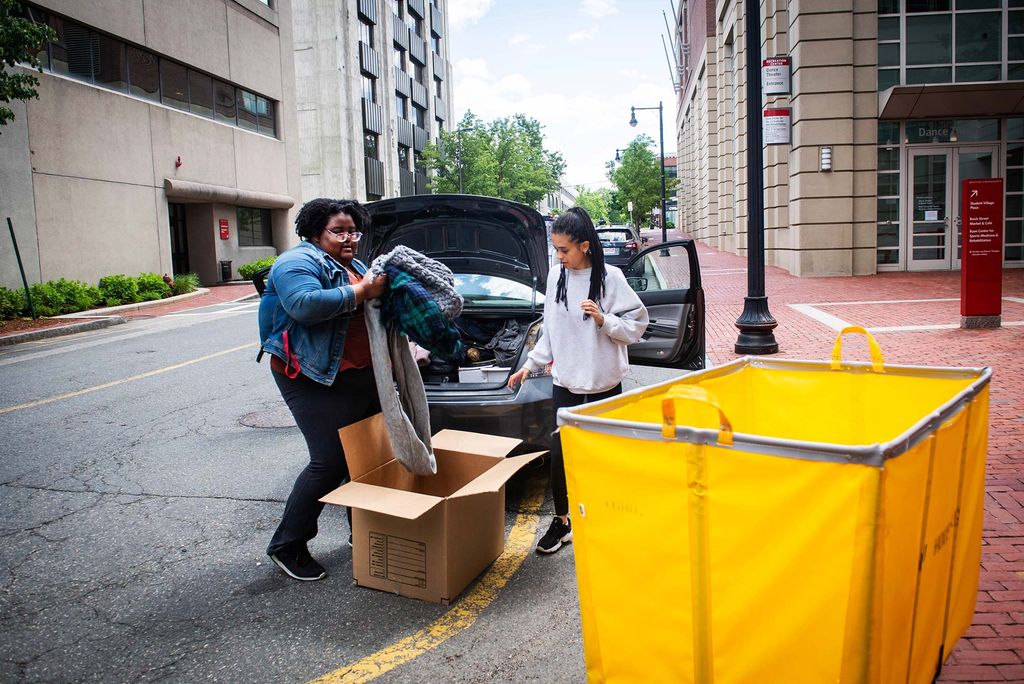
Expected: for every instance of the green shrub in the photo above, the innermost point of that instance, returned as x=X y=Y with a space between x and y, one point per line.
x=185 y=283
x=119 y=289
x=152 y=287
x=12 y=303
x=247 y=271
x=56 y=297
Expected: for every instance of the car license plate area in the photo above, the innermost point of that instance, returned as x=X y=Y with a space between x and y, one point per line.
x=611 y=251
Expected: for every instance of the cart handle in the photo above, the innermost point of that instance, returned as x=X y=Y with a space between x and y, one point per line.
x=700 y=395
x=876 y=351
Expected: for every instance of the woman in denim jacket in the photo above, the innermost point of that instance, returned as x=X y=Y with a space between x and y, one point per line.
x=311 y=323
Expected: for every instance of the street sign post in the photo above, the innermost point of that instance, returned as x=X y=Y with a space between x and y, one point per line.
x=981 y=263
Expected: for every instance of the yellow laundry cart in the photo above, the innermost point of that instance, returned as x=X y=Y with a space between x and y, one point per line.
x=775 y=521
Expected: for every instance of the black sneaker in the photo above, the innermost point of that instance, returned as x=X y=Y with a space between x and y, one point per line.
x=559 y=533
x=298 y=564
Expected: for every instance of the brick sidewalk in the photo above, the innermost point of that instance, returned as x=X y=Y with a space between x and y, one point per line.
x=994 y=647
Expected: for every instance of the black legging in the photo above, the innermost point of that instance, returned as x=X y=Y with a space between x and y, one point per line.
x=563 y=398
x=319 y=412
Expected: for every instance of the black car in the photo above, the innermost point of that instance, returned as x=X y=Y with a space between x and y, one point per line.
x=620 y=244
x=498 y=252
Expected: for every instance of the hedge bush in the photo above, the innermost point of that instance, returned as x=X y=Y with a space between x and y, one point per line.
x=119 y=289
x=152 y=287
x=247 y=271
x=56 y=297
x=12 y=303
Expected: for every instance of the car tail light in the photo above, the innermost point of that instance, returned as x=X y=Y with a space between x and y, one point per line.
x=631 y=244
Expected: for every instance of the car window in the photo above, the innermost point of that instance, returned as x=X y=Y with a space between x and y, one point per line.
x=614 y=235
x=660 y=269
x=492 y=291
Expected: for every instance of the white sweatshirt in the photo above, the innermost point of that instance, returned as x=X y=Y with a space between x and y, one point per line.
x=588 y=359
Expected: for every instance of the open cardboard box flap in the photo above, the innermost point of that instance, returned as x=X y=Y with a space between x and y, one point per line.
x=473 y=443
x=495 y=477
x=396 y=502
x=367 y=446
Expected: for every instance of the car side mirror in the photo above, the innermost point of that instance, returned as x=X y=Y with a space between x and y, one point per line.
x=638 y=284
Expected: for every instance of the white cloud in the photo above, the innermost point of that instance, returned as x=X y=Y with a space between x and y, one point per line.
x=519 y=39
x=472 y=68
x=599 y=8
x=580 y=36
x=462 y=13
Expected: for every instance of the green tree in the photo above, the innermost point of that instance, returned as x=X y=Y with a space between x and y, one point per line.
x=638 y=179
x=20 y=39
x=505 y=158
x=594 y=201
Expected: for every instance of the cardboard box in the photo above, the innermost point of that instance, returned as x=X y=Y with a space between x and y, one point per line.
x=425 y=536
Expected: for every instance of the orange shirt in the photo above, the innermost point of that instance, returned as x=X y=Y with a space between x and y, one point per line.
x=357 y=341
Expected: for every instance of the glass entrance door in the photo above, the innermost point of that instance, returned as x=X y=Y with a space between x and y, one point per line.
x=972 y=162
x=928 y=239
x=179 y=238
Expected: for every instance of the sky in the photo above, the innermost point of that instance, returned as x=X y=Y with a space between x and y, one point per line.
x=574 y=65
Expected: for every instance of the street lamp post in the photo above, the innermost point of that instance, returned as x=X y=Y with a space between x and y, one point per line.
x=755 y=322
x=661 y=138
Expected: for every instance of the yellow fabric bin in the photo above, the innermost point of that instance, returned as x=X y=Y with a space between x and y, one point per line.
x=779 y=521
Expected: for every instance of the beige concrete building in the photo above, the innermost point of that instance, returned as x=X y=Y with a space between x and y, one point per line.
x=891 y=104
x=163 y=140
x=374 y=88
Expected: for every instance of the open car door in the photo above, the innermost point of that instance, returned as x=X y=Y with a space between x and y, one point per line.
x=667 y=279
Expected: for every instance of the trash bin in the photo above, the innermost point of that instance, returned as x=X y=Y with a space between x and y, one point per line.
x=225 y=270
x=779 y=521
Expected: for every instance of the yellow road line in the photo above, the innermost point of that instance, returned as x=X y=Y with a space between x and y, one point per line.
x=158 y=371
x=462 y=615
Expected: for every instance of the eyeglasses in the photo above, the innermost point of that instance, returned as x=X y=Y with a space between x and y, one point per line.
x=345 y=235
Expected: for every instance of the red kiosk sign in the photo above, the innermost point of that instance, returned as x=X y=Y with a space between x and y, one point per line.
x=981 y=264
x=224 y=230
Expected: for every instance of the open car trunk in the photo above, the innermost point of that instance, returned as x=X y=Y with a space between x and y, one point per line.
x=494 y=342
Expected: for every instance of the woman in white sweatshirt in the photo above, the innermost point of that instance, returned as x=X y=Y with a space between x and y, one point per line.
x=591 y=315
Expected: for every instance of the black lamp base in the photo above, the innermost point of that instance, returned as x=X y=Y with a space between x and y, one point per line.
x=756 y=325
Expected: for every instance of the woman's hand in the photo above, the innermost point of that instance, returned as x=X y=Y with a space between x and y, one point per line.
x=373 y=288
x=518 y=377
x=590 y=307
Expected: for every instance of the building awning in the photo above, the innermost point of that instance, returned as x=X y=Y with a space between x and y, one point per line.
x=952 y=101
x=192 y=192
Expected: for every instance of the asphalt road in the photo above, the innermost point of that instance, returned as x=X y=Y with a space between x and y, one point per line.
x=143 y=470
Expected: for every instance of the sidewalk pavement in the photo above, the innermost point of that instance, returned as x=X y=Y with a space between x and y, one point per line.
x=915 y=318
x=105 y=317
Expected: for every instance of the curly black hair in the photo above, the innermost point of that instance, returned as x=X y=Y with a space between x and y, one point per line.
x=313 y=216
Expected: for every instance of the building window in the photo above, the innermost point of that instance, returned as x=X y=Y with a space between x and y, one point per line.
x=420 y=115
x=366 y=32
x=87 y=55
x=369 y=89
x=254 y=227
x=370 y=145
x=415 y=24
x=435 y=43
x=419 y=73
x=1014 y=229
x=403 y=157
x=399 y=54
x=401 y=107
x=438 y=87
x=399 y=10
x=888 y=189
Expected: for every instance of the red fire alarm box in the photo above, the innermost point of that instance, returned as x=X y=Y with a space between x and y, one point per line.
x=981 y=263
x=224 y=232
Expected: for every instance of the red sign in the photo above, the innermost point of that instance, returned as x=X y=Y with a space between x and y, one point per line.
x=981 y=264
x=224 y=233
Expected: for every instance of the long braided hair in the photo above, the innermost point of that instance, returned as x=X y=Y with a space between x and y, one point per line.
x=576 y=225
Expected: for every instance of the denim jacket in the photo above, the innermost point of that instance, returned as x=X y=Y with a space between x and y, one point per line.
x=308 y=295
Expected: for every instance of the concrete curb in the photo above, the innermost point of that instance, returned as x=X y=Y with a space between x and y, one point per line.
x=60 y=330
x=93 y=313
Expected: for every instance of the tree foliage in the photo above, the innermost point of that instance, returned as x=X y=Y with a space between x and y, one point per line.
x=505 y=158
x=20 y=39
x=638 y=179
x=595 y=202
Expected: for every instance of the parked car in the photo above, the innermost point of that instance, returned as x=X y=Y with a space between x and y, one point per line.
x=619 y=243
x=498 y=252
